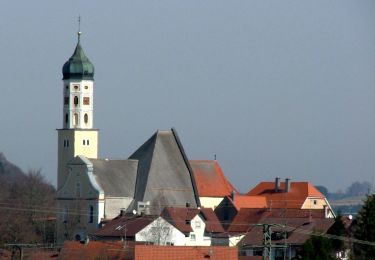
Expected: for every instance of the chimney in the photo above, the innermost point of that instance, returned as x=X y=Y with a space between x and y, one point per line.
x=277 y=184
x=287 y=184
x=232 y=195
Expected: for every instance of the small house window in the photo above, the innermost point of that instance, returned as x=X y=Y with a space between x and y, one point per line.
x=197 y=224
x=315 y=202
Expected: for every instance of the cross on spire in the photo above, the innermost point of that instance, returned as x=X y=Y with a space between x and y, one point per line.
x=79 y=28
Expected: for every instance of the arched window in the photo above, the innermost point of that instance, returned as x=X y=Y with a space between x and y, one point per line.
x=75 y=119
x=88 y=142
x=91 y=214
x=78 y=189
x=86 y=118
x=75 y=100
x=84 y=142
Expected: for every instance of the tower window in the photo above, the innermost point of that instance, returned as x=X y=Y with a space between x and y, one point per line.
x=86 y=118
x=67 y=87
x=66 y=118
x=84 y=142
x=86 y=101
x=76 y=87
x=86 y=87
x=78 y=189
x=67 y=143
x=64 y=143
x=76 y=100
x=75 y=119
x=66 y=100
x=88 y=142
x=91 y=214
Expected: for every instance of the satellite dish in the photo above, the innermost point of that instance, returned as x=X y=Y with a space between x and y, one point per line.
x=134 y=212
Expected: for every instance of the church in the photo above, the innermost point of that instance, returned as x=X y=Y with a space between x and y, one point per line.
x=91 y=190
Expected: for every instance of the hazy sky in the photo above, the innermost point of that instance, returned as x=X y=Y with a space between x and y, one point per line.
x=274 y=88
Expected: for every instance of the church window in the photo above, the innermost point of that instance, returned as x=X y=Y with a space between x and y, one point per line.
x=91 y=214
x=86 y=101
x=78 y=189
x=66 y=100
x=86 y=118
x=75 y=119
x=86 y=87
x=84 y=142
x=88 y=143
x=76 y=87
x=64 y=143
x=67 y=143
x=66 y=118
x=76 y=100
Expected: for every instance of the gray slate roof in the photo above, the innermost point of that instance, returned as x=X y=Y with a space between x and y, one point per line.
x=116 y=177
x=164 y=174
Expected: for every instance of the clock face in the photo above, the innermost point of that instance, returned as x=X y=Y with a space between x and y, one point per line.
x=86 y=101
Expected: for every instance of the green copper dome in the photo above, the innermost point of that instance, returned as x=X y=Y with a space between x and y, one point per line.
x=78 y=66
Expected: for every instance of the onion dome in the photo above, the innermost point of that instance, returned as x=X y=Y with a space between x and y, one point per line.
x=78 y=66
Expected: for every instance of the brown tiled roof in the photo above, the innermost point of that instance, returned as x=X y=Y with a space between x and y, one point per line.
x=295 y=198
x=96 y=250
x=245 y=218
x=210 y=179
x=212 y=222
x=121 y=225
x=180 y=218
x=298 y=230
x=147 y=252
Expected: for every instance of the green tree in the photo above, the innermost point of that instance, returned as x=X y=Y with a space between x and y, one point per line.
x=338 y=229
x=317 y=247
x=365 y=229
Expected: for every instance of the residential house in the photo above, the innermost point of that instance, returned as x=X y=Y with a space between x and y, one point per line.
x=179 y=226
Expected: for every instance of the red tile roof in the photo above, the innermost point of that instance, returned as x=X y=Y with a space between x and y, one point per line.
x=180 y=218
x=96 y=250
x=254 y=202
x=295 y=198
x=121 y=225
x=210 y=179
x=147 y=252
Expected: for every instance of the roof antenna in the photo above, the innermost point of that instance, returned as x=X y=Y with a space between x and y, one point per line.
x=79 y=27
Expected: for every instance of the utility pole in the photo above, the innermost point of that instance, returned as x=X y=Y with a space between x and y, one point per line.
x=267 y=242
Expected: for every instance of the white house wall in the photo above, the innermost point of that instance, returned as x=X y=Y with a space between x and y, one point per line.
x=174 y=236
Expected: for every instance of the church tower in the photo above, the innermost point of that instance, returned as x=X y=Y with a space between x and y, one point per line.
x=77 y=136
